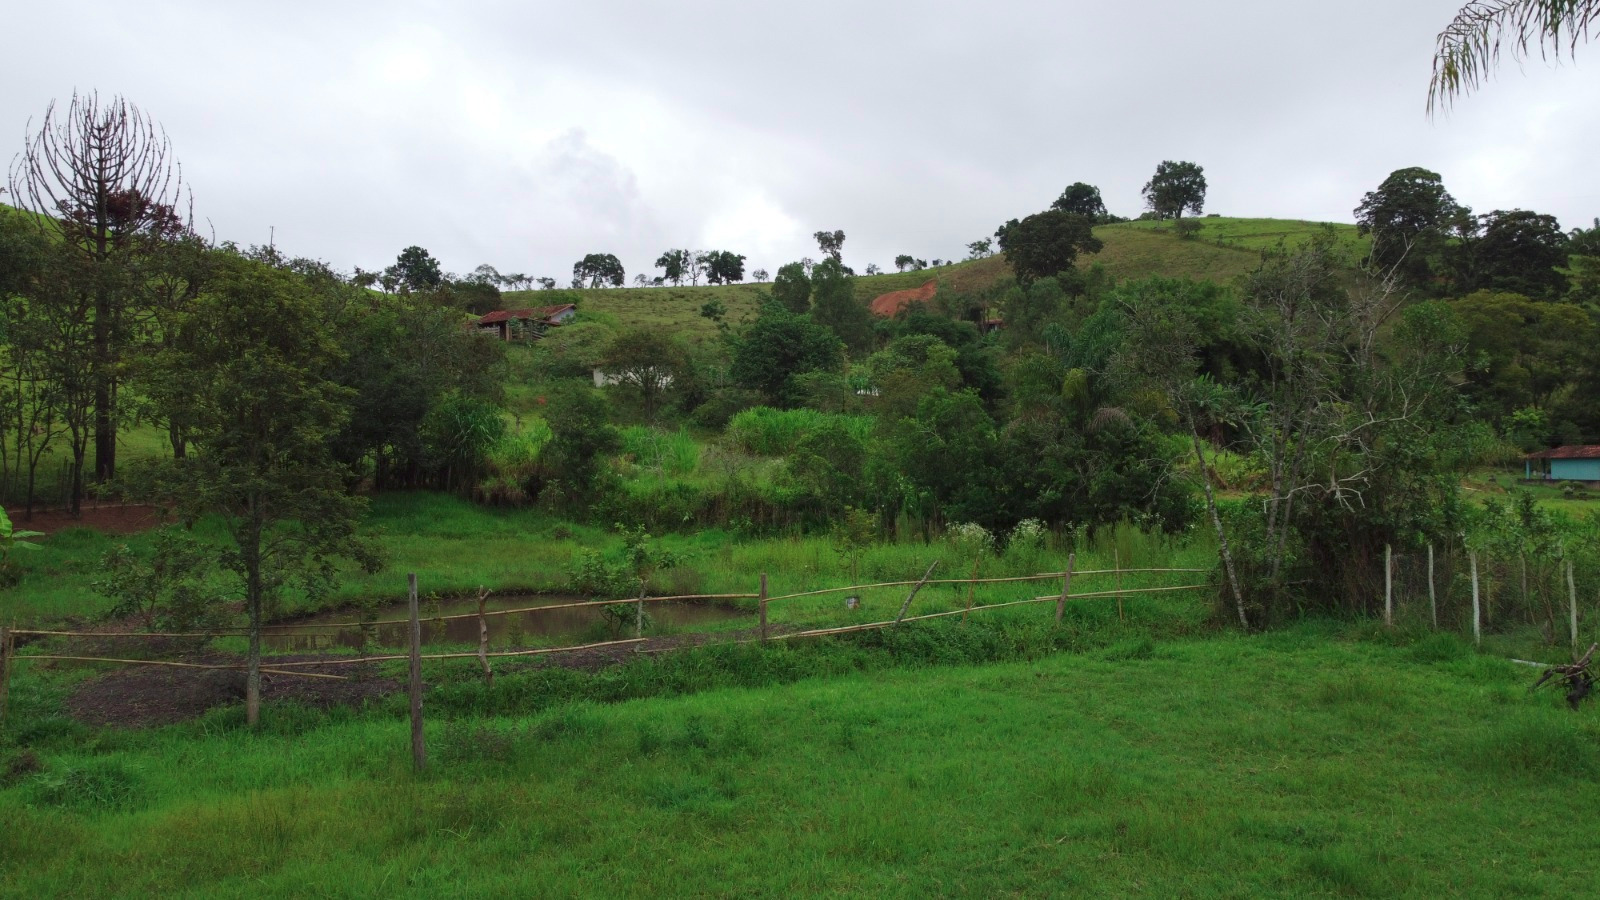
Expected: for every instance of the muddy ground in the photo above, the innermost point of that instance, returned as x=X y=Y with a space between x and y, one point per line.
x=144 y=696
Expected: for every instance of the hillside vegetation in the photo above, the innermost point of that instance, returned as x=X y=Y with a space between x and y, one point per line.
x=1224 y=249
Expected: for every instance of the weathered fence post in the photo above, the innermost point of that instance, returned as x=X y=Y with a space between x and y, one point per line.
x=763 y=607
x=483 y=638
x=1433 y=599
x=1572 y=600
x=8 y=649
x=419 y=747
x=1388 y=585
x=972 y=586
x=638 y=615
x=909 y=597
x=1116 y=563
x=1477 y=622
x=1066 y=586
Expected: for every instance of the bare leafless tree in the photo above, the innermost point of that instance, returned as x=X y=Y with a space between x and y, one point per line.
x=101 y=174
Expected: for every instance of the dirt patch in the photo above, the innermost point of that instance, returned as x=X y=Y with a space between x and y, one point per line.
x=111 y=519
x=142 y=696
x=889 y=305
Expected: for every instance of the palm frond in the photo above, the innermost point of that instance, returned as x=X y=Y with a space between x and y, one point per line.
x=1470 y=47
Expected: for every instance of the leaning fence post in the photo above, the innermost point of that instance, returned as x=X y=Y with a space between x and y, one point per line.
x=1572 y=599
x=1433 y=599
x=1388 y=585
x=419 y=747
x=763 y=607
x=1066 y=587
x=909 y=597
x=1477 y=626
x=483 y=638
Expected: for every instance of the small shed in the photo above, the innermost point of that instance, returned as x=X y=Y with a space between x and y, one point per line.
x=537 y=318
x=1573 y=463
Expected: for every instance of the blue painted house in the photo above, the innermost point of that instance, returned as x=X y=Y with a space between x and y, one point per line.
x=1564 y=464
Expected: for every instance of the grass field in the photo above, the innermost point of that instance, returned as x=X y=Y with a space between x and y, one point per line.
x=1308 y=762
x=1225 y=249
x=454 y=546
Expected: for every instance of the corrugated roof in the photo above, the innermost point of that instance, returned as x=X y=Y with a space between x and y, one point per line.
x=1588 y=451
x=532 y=312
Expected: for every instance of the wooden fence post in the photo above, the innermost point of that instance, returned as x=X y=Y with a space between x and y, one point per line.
x=1477 y=622
x=483 y=639
x=972 y=586
x=1572 y=599
x=1066 y=586
x=763 y=607
x=1433 y=599
x=1388 y=585
x=638 y=615
x=909 y=597
x=419 y=747
x=1116 y=563
x=8 y=649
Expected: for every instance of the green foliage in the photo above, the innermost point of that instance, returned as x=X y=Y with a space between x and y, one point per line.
x=779 y=346
x=671 y=452
x=581 y=437
x=415 y=270
x=792 y=288
x=598 y=270
x=167 y=589
x=773 y=432
x=1047 y=243
x=1176 y=188
x=835 y=307
x=1082 y=200
x=457 y=436
x=1409 y=217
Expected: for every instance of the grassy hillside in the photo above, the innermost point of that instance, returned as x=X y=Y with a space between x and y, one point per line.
x=1225 y=249
x=1300 y=763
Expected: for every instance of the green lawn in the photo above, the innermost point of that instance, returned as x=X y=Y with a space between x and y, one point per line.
x=1300 y=763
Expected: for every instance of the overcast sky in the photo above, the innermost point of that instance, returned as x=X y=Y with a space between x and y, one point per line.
x=526 y=134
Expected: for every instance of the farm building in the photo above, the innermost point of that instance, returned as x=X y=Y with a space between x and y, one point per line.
x=1564 y=464
x=511 y=323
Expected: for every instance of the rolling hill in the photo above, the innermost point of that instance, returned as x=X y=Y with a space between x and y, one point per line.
x=1225 y=249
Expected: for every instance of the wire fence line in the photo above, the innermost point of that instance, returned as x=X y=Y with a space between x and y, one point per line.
x=298 y=668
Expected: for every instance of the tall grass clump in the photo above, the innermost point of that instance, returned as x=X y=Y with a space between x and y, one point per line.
x=774 y=432
x=512 y=464
x=669 y=452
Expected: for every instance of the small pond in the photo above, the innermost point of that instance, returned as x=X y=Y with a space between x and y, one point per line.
x=560 y=626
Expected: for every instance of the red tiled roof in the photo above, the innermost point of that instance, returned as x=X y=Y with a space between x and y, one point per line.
x=1591 y=451
x=533 y=312
x=888 y=305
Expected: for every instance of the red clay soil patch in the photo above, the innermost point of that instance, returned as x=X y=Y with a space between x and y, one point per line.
x=117 y=519
x=889 y=305
x=142 y=696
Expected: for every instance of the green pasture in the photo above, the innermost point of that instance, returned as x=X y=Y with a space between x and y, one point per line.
x=1316 y=761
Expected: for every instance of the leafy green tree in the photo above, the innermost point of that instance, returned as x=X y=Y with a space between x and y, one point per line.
x=761 y=275
x=906 y=261
x=792 y=288
x=976 y=250
x=1176 y=187
x=831 y=243
x=945 y=456
x=674 y=264
x=1083 y=200
x=1469 y=47
x=649 y=364
x=778 y=346
x=835 y=306
x=1409 y=217
x=724 y=267
x=598 y=270
x=1046 y=243
x=457 y=434
x=1520 y=252
x=416 y=270
x=581 y=438
x=1524 y=352
x=251 y=365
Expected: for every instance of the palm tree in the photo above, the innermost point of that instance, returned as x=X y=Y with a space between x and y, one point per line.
x=1470 y=47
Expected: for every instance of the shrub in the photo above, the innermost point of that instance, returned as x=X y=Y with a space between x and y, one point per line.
x=774 y=432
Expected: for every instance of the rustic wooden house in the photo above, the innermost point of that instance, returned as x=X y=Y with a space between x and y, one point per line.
x=529 y=323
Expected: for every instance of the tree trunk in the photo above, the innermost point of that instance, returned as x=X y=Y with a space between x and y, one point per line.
x=1216 y=522
x=251 y=550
